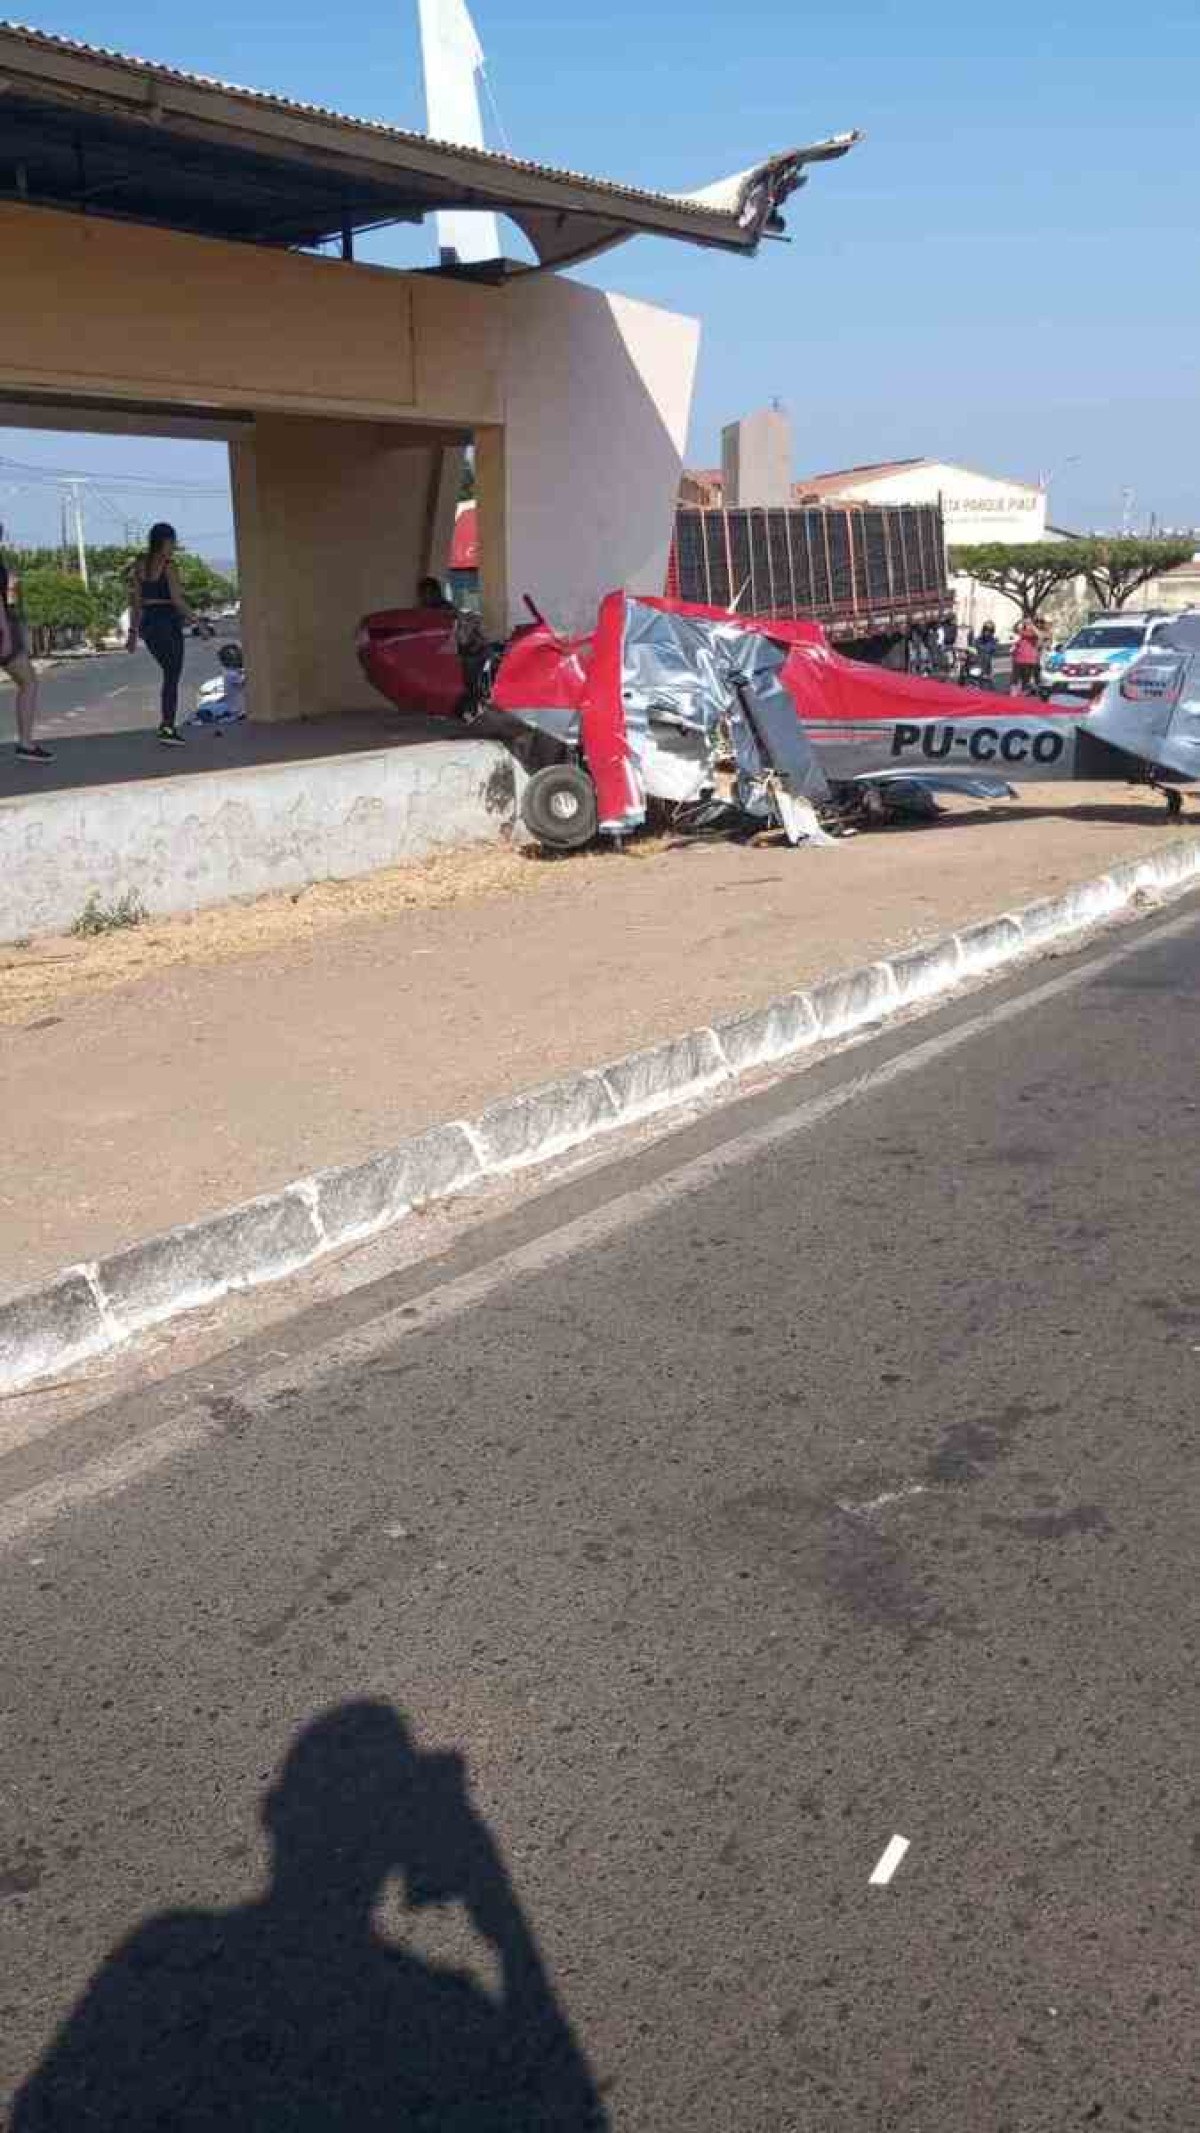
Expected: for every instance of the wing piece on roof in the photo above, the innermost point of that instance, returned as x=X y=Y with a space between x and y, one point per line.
x=756 y=196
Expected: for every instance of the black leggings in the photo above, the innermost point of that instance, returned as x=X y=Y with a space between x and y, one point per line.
x=162 y=635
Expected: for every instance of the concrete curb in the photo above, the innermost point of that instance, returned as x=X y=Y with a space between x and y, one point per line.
x=86 y=1310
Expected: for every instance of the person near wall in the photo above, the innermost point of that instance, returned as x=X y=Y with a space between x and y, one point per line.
x=985 y=653
x=431 y=593
x=17 y=664
x=157 y=614
x=1026 y=657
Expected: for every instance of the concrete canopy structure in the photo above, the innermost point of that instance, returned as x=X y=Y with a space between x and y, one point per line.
x=158 y=230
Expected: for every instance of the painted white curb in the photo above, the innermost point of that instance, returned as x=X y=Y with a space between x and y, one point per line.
x=87 y=1309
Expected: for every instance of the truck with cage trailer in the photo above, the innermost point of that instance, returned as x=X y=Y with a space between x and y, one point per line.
x=870 y=574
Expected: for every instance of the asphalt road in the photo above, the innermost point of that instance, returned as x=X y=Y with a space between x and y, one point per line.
x=820 y=1474
x=112 y=692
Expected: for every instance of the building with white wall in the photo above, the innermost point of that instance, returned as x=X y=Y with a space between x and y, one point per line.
x=756 y=460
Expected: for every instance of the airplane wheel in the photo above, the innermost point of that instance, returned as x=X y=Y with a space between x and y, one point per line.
x=559 y=806
x=1174 y=802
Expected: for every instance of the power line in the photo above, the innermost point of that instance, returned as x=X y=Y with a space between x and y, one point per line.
x=495 y=111
x=51 y=476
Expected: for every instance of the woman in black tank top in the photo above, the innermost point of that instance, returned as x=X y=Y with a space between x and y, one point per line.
x=15 y=660
x=157 y=613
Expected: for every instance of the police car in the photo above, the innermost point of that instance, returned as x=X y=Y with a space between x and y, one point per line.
x=1100 y=650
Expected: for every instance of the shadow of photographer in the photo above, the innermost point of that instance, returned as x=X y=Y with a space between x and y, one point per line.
x=293 y=2012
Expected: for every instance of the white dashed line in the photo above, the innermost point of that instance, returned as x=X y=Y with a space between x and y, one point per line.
x=877 y=1503
x=888 y=1863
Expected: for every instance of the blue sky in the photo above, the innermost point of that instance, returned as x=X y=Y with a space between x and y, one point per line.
x=1003 y=273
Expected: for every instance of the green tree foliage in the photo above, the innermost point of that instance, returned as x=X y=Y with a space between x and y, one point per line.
x=1029 y=573
x=1025 y=573
x=1120 y=568
x=54 y=604
x=203 y=587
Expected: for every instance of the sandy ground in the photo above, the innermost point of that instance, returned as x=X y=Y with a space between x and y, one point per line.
x=36 y=977
x=152 y=1076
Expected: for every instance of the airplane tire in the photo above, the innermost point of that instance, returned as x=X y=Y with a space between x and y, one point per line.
x=558 y=806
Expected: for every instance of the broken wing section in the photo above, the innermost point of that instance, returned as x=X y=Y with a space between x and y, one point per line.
x=1152 y=710
x=757 y=196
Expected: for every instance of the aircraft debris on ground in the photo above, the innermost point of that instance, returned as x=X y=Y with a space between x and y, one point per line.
x=737 y=723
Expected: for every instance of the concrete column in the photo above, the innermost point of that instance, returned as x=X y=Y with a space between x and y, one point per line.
x=332 y=519
x=597 y=397
x=491 y=501
x=258 y=639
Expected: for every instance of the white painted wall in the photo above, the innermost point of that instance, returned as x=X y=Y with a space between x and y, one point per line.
x=756 y=460
x=180 y=843
x=597 y=396
x=977 y=507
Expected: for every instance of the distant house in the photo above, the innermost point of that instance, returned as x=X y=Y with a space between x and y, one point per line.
x=700 y=488
x=1175 y=589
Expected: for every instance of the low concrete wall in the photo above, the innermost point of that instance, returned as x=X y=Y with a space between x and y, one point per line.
x=183 y=842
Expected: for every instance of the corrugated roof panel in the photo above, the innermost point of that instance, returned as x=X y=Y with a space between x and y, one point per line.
x=681 y=205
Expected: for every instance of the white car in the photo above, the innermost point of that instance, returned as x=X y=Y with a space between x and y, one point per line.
x=1103 y=648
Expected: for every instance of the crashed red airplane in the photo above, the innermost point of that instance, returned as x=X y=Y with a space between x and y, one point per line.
x=741 y=718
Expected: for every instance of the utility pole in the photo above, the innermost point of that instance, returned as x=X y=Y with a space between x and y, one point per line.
x=75 y=488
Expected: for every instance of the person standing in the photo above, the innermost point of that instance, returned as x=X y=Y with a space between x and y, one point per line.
x=17 y=664
x=431 y=593
x=1026 y=657
x=985 y=652
x=157 y=613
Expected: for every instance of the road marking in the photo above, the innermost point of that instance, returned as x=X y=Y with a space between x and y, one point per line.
x=889 y=1861
x=37 y=1507
x=877 y=1503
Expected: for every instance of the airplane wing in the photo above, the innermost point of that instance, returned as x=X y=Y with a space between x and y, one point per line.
x=757 y=196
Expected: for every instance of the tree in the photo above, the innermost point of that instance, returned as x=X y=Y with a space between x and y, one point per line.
x=1029 y=572
x=1026 y=572
x=52 y=602
x=203 y=587
x=1119 y=568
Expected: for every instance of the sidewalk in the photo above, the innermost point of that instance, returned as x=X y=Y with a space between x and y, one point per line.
x=129 y=755
x=160 y=1075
